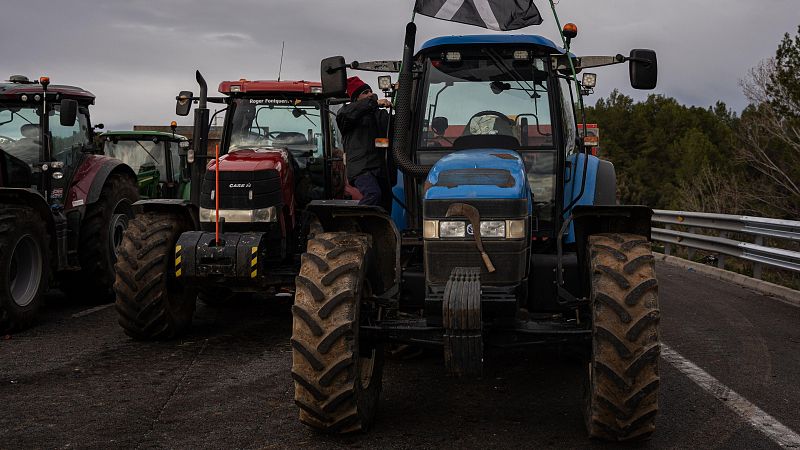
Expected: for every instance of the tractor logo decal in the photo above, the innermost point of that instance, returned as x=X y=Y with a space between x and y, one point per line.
x=470 y=230
x=239 y=185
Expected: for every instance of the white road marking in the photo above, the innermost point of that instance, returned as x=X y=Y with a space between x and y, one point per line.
x=91 y=310
x=760 y=420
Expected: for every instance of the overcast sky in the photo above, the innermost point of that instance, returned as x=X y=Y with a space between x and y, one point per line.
x=135 y=55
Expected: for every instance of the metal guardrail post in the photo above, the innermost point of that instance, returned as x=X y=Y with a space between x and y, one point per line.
x=691 y=251
x=666 y=245
x=757 y=265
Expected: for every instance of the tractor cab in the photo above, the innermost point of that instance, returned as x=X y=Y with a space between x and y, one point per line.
x=42 y=149
x=482 y=94
x=277 y=139
x=158 y=158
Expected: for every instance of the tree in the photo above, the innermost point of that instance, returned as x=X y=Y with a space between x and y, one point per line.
x=770 y=129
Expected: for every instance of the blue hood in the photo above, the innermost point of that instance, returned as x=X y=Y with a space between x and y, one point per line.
x=478 y=174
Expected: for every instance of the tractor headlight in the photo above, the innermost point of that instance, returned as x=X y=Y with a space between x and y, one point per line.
x=493 y=228
x=240 y=215
x=452 y=229
x=508 y=229
x=265 y=215
x=515 y=229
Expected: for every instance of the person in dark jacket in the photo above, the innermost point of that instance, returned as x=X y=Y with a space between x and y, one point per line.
x=361 y=122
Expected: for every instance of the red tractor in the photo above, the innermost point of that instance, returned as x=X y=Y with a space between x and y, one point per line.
x=63 y=206
x=245 y=225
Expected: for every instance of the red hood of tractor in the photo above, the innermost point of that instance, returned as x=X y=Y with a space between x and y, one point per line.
x=250 y=160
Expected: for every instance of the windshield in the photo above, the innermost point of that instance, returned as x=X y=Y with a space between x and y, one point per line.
x=143 y=156
x=487 y=94
x=494 y=97
x=276 y=123
x=19 y=132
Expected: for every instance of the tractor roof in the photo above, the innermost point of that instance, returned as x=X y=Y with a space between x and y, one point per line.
x=492 y=39
x=13 y=91
x=133 y=135
x=267 y=87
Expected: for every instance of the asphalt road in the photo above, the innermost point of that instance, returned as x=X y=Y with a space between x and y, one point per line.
x=76 y=380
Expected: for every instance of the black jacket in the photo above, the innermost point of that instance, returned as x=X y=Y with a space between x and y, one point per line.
x=360 y=123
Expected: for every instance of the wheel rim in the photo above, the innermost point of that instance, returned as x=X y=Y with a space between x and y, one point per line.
x=25 y=271
x=119 y=222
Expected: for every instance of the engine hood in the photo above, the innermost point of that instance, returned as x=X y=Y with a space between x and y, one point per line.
x=478 y=174
x=251 y=160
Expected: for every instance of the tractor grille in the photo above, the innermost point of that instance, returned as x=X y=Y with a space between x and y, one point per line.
x=509 y=256
x=235 y=190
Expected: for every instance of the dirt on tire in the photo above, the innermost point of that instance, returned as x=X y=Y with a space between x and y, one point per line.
x=337 y=384
x=621 y=400
x=151 y=303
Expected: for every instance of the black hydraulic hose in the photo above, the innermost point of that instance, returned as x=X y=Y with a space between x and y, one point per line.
x=401 y=144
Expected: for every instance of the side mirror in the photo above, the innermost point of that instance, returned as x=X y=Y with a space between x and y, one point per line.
x=643 y=69
x=439 y=125
x=333 y=74
x=183 y=103
x=68 y=112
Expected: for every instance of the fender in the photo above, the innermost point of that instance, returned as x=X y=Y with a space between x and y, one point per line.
x=347 y=215
x=90 y=178
x=178 y=206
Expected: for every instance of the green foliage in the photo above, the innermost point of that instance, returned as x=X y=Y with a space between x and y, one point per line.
x=658 y=145
x=783 y=86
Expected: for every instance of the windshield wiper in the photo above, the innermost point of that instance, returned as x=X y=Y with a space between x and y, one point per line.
x=148 y=153
x=512 y=73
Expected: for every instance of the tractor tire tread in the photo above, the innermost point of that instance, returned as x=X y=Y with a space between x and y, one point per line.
x=150 y=303
x=622 y=393
x=326 y=362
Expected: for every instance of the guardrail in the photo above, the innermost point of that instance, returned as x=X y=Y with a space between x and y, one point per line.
x=756 y=252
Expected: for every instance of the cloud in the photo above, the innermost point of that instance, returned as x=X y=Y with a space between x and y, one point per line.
x=135 y=55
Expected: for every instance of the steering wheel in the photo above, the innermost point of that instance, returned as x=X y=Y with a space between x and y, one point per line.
x=6 y=139
x=488 y=112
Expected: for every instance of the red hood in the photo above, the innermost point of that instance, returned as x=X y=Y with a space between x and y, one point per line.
x=252 y=160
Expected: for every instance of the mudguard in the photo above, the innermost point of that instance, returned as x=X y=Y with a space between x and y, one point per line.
x=348 y=215
x=90 y=178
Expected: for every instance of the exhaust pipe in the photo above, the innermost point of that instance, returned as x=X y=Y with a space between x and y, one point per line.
x=200 y=141
x=401 y=146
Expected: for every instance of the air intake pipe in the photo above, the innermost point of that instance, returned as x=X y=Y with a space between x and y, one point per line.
x=401 y=145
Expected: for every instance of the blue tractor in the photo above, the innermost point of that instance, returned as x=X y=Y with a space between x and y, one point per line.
x=505 y=232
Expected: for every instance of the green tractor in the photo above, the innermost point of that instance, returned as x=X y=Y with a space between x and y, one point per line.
x=158 y=158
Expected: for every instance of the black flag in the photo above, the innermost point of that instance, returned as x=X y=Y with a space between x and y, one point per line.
x=500 y=15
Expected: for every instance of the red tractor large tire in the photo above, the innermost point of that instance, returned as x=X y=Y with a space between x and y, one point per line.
x=151 y=302
x=24 y=266
x=101 y=233
x=337 y=384
x=621 y=399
